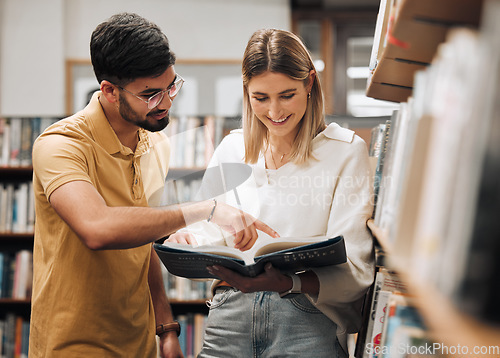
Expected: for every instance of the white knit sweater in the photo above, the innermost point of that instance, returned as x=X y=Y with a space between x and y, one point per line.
x=331 y=196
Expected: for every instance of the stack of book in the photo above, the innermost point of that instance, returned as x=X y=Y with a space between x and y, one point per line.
x=192 y=333
x=17 y=136
x=193 y=139
x=181 y=288
x=17 y=207
x=16 y=273
x=394 y=327
x=192 y=142
x=14 y=336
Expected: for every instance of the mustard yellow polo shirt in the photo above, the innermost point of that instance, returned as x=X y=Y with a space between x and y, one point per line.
x=92 y=303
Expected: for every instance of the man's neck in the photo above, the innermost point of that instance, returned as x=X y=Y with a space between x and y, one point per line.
x=127 y=133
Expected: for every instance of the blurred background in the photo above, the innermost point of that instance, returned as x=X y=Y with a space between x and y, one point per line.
x=45 y=62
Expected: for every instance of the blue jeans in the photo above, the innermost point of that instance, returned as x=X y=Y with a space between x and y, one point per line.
x=262 y=325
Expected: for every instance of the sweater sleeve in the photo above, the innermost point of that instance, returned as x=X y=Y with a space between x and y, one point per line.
x=351 y=208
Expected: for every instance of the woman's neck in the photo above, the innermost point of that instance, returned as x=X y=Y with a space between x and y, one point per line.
x=280 y=145
x=277 y=152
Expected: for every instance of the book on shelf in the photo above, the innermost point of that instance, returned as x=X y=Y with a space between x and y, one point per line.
x=26 y=142
x=6 y=206
x=287 y=254
x=17 y=136
x=394 y=167
x=20 y=213
x=4 y=142
x=192 y=333
x=15 y=142
x=210 y=140
x=380 y=32
x=184 y=289
x=477 y=291
x=23 y=275
x=376 y=140
x=180 y=190
x=378 y=150
x=16 y=273
x=178 y=153
x=14 y=336
x=450 y=184
x=386 y=283
x=382 y=177
x=404 y=333
x=192 y=127
x=193 y=138
x=16 y=207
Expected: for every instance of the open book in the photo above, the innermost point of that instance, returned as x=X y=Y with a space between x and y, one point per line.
x=286 y=254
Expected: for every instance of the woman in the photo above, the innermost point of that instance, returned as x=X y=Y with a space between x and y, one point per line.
x=307 y=179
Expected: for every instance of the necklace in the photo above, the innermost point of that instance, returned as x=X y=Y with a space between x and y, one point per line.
x=272 y=157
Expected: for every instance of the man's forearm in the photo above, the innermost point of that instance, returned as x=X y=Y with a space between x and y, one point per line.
x=100 y=226
x=163 y=312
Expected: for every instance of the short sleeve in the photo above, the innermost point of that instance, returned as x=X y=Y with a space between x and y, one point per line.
x=57 y=160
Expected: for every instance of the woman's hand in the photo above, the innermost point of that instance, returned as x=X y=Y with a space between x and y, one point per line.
x=270 y=280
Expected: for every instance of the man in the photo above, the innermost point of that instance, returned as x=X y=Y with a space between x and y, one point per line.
x=97 y=288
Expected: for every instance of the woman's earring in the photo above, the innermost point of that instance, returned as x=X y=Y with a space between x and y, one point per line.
x=309 y=95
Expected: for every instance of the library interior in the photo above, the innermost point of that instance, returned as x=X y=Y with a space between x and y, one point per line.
x=417 y=80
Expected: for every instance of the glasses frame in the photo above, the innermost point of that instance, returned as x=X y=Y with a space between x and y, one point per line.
x=178 y=82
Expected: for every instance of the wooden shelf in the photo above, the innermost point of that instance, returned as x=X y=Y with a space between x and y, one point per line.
x=20 y=307
x=14 y=174
x=23 y=169
x=181 y=307
x=415 y=31
x=16 y=241
x=27 y=236
x=15 y=301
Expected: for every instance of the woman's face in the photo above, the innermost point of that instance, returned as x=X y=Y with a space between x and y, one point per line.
x=279 y=102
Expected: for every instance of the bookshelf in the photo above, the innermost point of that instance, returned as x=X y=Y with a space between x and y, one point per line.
x=412 y=31
x=15 y=256
x=14 y=238
x=446 y=324
x=430 y=217
x=12 y=242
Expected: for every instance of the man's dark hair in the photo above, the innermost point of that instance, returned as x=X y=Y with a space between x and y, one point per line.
x=126 y=47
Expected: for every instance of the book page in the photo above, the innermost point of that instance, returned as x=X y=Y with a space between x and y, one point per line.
x=220 y=250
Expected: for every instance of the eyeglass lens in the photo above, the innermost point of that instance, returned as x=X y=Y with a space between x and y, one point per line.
x=172 y=91
x=155 y=100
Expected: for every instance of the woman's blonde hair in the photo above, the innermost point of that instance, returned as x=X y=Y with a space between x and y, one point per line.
x=283 y=52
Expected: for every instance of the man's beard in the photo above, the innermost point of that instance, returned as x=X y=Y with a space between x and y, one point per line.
x=131 y=116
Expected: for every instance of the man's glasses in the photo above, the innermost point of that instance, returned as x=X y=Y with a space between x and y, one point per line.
x=156 y=99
